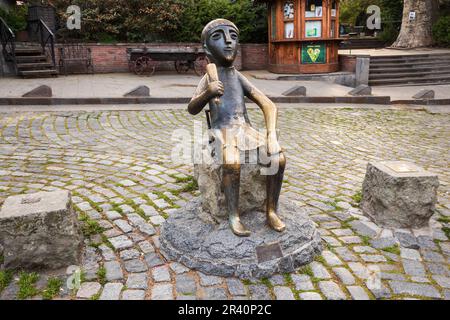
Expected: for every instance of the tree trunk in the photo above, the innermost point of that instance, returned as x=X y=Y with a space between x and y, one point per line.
x=416 y=32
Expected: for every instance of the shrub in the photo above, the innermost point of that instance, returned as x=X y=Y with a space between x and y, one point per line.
x=16 y=17
x=441 y=31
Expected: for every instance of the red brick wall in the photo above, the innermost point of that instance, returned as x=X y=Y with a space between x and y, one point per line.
x=347 y=63
x=113 y=58
x=254 y=56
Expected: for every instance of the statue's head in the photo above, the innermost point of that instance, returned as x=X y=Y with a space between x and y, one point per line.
x=220 y=40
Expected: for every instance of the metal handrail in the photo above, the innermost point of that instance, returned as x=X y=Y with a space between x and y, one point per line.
x=8 y=41
x=46 y=38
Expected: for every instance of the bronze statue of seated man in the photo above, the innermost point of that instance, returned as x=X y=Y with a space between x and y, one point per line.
x=230 y=125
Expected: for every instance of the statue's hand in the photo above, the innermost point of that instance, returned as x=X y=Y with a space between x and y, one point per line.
x=273 y=147
x=215 y=89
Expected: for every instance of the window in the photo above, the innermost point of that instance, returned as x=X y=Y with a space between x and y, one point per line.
x=288 y=16
x=313 y=29
x=314 y=9
x=334 y=8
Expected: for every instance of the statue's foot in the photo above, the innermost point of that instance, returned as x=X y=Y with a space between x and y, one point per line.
x=275 y=222
x=238 y=228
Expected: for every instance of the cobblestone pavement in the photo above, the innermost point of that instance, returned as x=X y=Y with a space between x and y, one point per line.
x=117 y=166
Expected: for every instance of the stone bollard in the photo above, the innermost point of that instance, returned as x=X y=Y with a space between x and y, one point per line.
x=398 y=194
x=40 y=231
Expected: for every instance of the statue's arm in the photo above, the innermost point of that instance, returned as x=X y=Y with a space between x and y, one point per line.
x=201 y=97
x=268 y=108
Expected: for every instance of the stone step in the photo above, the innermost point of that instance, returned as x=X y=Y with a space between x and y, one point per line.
x=28 y=51
x=39 y=65
x=409 y=64
x=425 y=68
x=412 y=73
x=412 y=56
x=411 y=80
x=31 y=59
x=38 y=73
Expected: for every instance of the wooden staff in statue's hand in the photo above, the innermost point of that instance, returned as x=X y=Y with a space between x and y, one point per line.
x=215 y=87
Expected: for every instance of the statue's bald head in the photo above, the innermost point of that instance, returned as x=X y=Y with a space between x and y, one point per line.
x=214 y=24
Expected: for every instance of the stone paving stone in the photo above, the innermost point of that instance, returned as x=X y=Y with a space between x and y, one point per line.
x=111 y=291
x=410 y=254
x=346 y=254
x=185 y=284
x=236 y=287
x=277 y=279
x=146 y=247
x=358 y=293
x=207 y=280
x=161 y=274
x=211 y=293
x=442 y=281
x=379 y=290
x=121 y=242
x=437 y=268
x=113 y=271
x=107 y=253
x=133 y=295
x=259 y=292
x=359 y=270
x=319 y=271
x=310 y=296
x=153 y=260
x=88 y=290
x=129 y=254
x=414 y=268
x=351 y=240
x=414 y=289
x=373 y=258
x=157 y=220
x=178 y=268
x=135 y=266
x=283 y=293
x=366 y=228
x=137 y=281
x=432 y=256
x=162 y=292
x=331 y=259
x=302 y=282
x=123 y=225
x=344 y=275
x=331 y=290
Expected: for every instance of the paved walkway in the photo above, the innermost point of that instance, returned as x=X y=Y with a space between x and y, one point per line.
x=117 y=165
x=172 y=85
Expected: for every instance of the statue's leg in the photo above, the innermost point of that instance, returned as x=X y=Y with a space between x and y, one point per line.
x=274 y=183
x=231 y=183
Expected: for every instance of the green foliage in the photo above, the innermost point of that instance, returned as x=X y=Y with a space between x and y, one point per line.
x=16 y=17
x=441 y=31
x=52 y=290
x=159 y=20
x=249 y=18
x=5 y=279
x=27 y=287
x=354 y=12
x=101 y=275
x=357 y=197
x=90 y=227
x=394 y=250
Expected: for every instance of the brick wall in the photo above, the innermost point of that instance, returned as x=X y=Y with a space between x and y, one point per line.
x=254 y=56
x=113 y=58
x=347 y=63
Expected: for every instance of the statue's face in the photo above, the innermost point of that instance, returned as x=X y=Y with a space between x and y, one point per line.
x=221 y=45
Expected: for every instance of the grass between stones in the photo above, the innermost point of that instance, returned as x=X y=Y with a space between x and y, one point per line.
x=27 y=282
x=53 y=288
x=394 y=250
x=357 y=198
x=6 y=277
x=101 y=275
x=90 y=227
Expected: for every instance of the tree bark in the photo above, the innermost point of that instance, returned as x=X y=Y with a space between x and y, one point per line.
x=417 y=32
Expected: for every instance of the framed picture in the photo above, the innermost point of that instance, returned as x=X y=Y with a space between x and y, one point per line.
x=318 y=11
x=333 y=12
x=289 y=11
x=314 y=53
x=310 y=14
x=313 y=29
x=289 y=30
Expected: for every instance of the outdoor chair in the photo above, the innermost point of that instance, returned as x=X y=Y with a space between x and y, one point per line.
x=75 y=54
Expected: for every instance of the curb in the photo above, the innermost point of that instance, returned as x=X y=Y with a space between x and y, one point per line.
x=153 y=100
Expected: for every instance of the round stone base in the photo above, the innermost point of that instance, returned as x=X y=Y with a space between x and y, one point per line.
x=190 y=238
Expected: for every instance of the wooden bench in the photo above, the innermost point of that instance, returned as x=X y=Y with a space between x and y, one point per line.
x=75 y=54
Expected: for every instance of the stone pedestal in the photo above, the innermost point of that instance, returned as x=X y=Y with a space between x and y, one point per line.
x=190 y=237
x=399 y=194
x=252 y=188
x=40 y=231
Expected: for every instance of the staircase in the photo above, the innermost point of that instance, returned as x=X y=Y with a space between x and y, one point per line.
x=32 y=62
x=29 y=59
x=409 y=69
